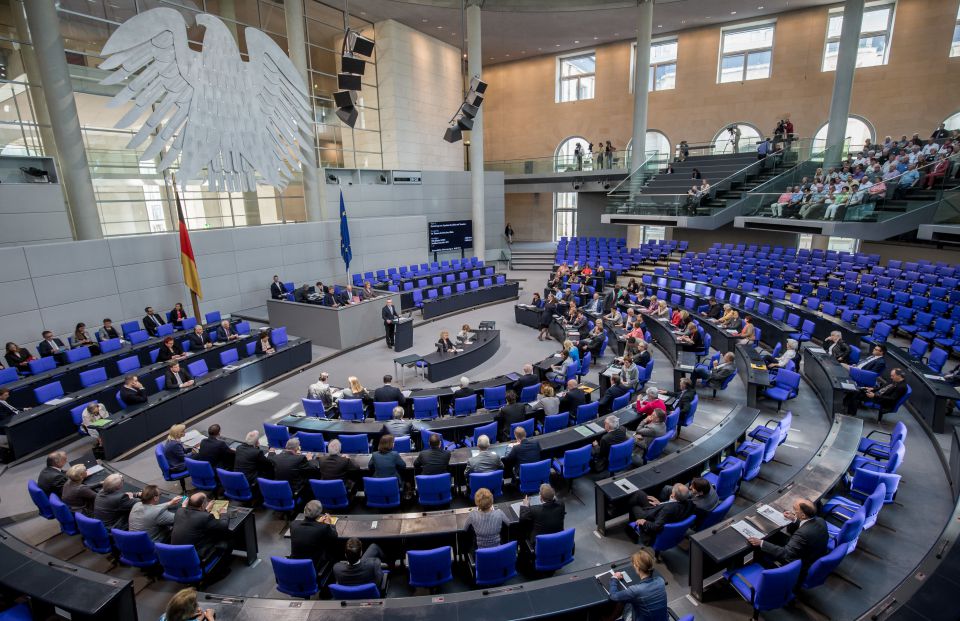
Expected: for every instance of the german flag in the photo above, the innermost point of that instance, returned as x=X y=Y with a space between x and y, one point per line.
x=191 y=277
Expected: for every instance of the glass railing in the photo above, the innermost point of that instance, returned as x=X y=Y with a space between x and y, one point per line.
x=948 y=210
x=558 y=164
x=630 y=187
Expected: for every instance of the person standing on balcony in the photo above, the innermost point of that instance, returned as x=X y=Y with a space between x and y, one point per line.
x=578 y=156
x=734 y=135
x=600 y=152
x=608 y=153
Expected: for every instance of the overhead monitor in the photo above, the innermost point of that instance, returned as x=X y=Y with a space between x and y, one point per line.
x=451 y=235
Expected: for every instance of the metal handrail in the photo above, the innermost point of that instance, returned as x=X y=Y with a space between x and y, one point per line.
x=634 y=172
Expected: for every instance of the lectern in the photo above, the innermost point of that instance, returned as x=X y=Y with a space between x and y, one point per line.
x=403 y=339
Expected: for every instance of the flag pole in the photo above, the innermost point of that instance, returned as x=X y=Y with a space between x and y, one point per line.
x=181 y=221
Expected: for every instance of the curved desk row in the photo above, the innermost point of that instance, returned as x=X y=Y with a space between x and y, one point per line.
x=444 y=305
x=932 y=395
x=829 y=380
x=441 y=366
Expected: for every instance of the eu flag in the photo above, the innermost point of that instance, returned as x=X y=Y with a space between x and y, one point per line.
x=345 y=251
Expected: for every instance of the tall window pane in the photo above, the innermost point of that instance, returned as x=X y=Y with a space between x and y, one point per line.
x=564 y=214
x=955 y=45
x=746 y=54
x=577 y=75
x=731 y=68
x=663 y=65
x=874 y=37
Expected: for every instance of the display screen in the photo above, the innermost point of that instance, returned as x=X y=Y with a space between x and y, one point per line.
x=451 y=235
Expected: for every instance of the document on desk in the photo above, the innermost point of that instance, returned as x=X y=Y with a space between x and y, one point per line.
x=685 y=367
x=583 y=431
x=848 y=385
x=816 y=350
x=773 y=515
x=595 y=428
x=626 y=486
x=192 y=438
x=92 y=470
x=604 y=580
x=929 y=376
x=730 y=332
x=611 y=371
x=58 y=400
x=747 y=530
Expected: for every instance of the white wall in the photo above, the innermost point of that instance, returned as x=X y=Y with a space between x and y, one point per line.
x=419 y=83
x=33 y=213
x=54 y=286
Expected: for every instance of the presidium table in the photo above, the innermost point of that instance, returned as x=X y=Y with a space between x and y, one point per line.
x=441 y=366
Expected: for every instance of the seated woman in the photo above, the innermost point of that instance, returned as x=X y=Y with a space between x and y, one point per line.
x=536 y=301
x=633 y=287
x=548 y=401
x=444 y=344
x=76 y=495
x=355 y=390
x=170 y=350
x=177 y=315
x=559 y=372
x=731 y=318
x=386 y=462
x=748 y=332
x=614 y=316
x=676 y=319
x=663 y=311
x=571 y=350
x=173 y=448
x=629 y=372
x=487 y=521
x=465 y=335
x=789 y=353
x=265 y=342
x=91 y=414
x=18 y=357
x=81 y=338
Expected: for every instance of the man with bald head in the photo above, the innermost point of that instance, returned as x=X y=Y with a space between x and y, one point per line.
x=52 y=478
x=808 y=537
x=112 y=505
x=527 y=379
x=573 y=398
x=650 y=520
x=196 y=526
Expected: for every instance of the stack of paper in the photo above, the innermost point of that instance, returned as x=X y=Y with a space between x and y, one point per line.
x=746 y=529
x=773 y=515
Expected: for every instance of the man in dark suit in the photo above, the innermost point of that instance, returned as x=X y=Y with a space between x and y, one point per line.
x=398 y=426
x=808 y=537
x=278 y=290
x=886 y=396
x=388 y=392
x=510 y=413
x=615 y=434
x=649 y=518
x=433 y=460
x=527 y=379
x=336 y=466
x=617 y=389
x=574 y=398
x=152 y=320
x=291 y=466
x=132 y=392
x=7 y=411
x=390 y=316
x=524 y=451
x=112 y=505
x=683 y=399
x=199 y=339
x=359 y=567
x=52 y=479
x=311 y=537
x=874 y=363
x=215 y=451
x=464 y=390
x=703 y=496
x=714 y=309
x=226 y=333
x=837 y=347
x=545 y=518
x=50 y=345
x=177 y=377
x=251 y=461
x=196 y=526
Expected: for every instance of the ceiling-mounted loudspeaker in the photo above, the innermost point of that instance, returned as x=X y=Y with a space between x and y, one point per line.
x=468 y=110
x=349 y=64
x=465 y=123
x=453 y=134
x=348 y=115
x=345 y=99
x=477 y=85
x=348 y=82
x=359 y=44
x=474 y=99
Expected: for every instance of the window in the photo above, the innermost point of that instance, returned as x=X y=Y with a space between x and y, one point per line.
x=874 y=37
x=653 y=233
x=858 y=131
x=724 y=141
x=955 y=46
x=746 y=54
x=657 y=144
x=564 y=215
x=576 y=76
x=663 y=65
x=953 y=121
x=565 y=158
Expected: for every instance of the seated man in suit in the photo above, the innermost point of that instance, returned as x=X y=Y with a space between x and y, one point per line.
x=837 y=347
x=875 y=362
x=720 y=371
x=684 y=398
x=650 y=428
x=359 y=567
x=573 y=398
x=714 y=309
x=523 y=451
x=329 y=299
x=291 y=466
x=50 y=345
x=152 y=320
x=132 y=391
x=251 y=461
x=509 y=414
x=278 y=290
x=215 y=451
x=808 y=537
x=199 y=339
x=321 y=391
x=703 y=497
x=313 y=536
x=177 y=377
x=885 y=395
x=398 y=426
x=388 y=392
x=485 y=460
x=545 y=518
x=527 y=379
x=615 y=434
x=52 y=478
x=7 y=411
x=433 y=460
x=595 y=305
x=464 y=390
x=337 y=466
x=195 y=526
x=226 y=333
x=648 y=519
x=617 y=389
x=112 y=506
x=151 y=516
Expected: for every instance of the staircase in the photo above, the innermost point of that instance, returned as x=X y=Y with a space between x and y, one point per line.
x=532 y=260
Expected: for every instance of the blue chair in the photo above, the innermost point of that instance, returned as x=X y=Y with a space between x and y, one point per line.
x=42 y=365
x=313 y=407
x=165 y=330
x=786 y=386
x=528 y=394
x=312 y=442
x=426 y=408
x=877 y=448
x=621 y=402
x=574 y=463
x=494 y=398
x=864 y=379
x=751 y=458
x=228 y=357
x=382 y=493
x=765 y=589
x=821 y=569
x=212 y=317
x=63 y=514
x=492 y=481
x=489 y=430
x=843 y=508
x=555 y=422
x=94 y=534
x=554 y=551
x=242 y=327
x=8 y=375
x=351 y=409
x=528 y=426
x=672 y=535
x=295 y=577
x=463 y=406
x=495 y=565
x=889 y=465
x=655 y=448
x=201 y=474
x=277 y=435
x=781 y=428
x=717 y=515
x=584 y=365
x=198 y=369
x=533 y=475
x=425 y=434
x=135 y=547
x=383 y=410
x=235 y=485
x=135 y=338
x=76 y=355
x=165 y=468
x=434 y=489
x=188 y=325
x=41 y=500
x=848 y=532
x=620 y=456
x=354 y=443
x=894 y=409
x=587 y=412
x=182 y=564
x=128 y=364
x=279 y=336
x=430 y=568
x=331 y=494
x=277 y=495
x=53 y=390
x=92 y=376
x=360 y=591
x=727 y=479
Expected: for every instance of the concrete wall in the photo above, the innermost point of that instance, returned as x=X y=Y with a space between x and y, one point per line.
x=590 y=206
x=419 y=83
x=32 y=213
x=524 y=121
x=54 y=286
x=530 y=215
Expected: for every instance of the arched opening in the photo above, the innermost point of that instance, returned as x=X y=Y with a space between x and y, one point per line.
x=566 y=159
x=858 y=131
x=726 y=142
x=657 y=144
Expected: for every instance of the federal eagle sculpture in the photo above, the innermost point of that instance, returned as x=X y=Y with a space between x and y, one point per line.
x=210 y=108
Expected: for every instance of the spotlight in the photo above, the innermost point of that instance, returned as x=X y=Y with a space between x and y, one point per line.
x=359 y=44
x=576 y=185
x=383 y=179
x=474 y=99
x=333 y=178
x=345 y=99
x=453 y=134
x=468 y=110
x=477 y=85
x=349 y=64
x=348 y=115
x=464 y=122
x=606 y=185
x=348 y=82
